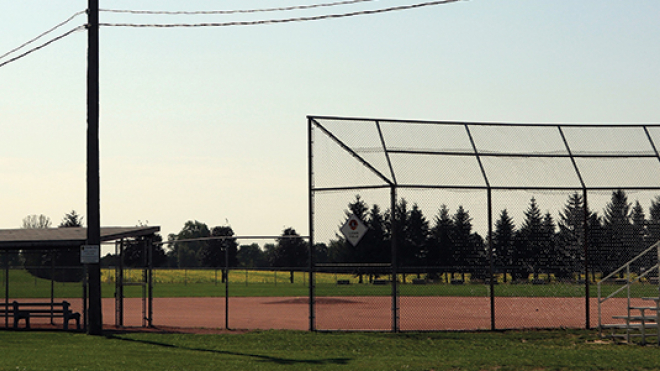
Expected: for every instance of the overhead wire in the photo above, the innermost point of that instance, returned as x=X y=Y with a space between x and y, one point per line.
x=217 y=24
x=24 y=54
x=216 y=12
x=43 y=34
x=283 y=20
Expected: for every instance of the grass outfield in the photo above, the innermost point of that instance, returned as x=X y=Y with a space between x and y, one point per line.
x=205 y=283
x=290 y=350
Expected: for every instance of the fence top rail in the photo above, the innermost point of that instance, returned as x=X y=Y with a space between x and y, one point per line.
x=463 y=123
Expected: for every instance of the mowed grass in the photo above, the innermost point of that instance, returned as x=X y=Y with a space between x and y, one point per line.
x=291 y=350
x=245 y=283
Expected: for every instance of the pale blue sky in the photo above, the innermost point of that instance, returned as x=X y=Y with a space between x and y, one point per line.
x=210 y=123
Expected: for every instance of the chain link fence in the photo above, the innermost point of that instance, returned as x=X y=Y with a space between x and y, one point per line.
x=484 y=225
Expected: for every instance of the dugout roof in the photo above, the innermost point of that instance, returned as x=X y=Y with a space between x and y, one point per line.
x=53 y=238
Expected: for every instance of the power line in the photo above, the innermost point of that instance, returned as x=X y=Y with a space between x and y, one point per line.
x=215 y=12
x=42 y=46
x=43 y=34
x=278 y=21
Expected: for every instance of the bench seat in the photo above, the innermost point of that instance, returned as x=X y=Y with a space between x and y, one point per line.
x=25 y=311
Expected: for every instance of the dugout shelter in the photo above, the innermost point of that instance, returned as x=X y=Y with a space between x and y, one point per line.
x=17 y=243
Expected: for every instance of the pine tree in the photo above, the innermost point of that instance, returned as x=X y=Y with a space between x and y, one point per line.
x=638 y=235
x=503 y=243
x=617 y=222
x=344 y=251
x=547 y=256
x=654 y=221
x=529 y=241
x=463 y=247
x=418 y=234
x=440 y=247
x=402 y=232
x=379 y=248
x=570 y=239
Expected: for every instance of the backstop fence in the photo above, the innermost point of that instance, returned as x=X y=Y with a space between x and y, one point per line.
x=476 y=225
x=413 y=226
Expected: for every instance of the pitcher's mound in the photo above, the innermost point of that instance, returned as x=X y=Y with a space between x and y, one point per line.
x=318 y=301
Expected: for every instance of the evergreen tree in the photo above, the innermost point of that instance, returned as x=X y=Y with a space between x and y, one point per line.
x=504 y=243
x=405 y=254
x=440 y=247
x=570 y=239
x=478 y=264
x=529 y=242
x=598 y=239
x=345 y=252
x=378 y=240
x=464 y=250
x=418 y=235
x=654 y=221
x=548 y=254
x=321 y=252
x=638 y=237
x=71 y=220
x=617 y=222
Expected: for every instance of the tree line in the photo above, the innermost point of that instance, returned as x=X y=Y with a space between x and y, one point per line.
x=444 y=244
x=539 y=244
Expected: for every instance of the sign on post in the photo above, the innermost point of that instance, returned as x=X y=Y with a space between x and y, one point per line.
x=90 y=254
x=353 y=230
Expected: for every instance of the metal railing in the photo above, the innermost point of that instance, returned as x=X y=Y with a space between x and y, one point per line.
x=629 y=281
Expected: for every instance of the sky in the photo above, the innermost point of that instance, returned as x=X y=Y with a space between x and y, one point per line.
x=209 y=124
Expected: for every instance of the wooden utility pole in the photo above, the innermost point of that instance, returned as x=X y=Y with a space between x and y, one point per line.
x=95 y=320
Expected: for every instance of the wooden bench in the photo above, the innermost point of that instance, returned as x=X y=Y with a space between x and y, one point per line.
x=25 y=311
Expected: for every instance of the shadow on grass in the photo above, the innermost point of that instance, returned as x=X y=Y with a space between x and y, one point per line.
x=263 y=358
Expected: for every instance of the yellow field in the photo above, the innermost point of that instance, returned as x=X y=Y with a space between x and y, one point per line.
x=207 y=275
x=212 y=276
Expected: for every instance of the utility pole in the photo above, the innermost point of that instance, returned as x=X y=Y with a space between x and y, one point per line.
x=95 y=323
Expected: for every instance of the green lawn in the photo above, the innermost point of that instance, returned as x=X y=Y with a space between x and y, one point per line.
x=290 y=350
x=201 y=283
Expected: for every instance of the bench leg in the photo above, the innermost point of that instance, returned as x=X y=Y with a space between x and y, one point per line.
x=18 y=317
x=72 y=316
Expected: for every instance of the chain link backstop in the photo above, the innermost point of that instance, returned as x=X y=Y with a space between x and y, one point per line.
x=476 y=225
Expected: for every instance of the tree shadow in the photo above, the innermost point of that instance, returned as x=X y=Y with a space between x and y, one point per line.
x=262 y=358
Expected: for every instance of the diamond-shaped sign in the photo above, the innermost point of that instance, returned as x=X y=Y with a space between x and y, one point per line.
x=354 y=230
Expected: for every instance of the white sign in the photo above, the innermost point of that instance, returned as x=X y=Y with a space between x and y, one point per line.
x=354 y=230
x=90 y=254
